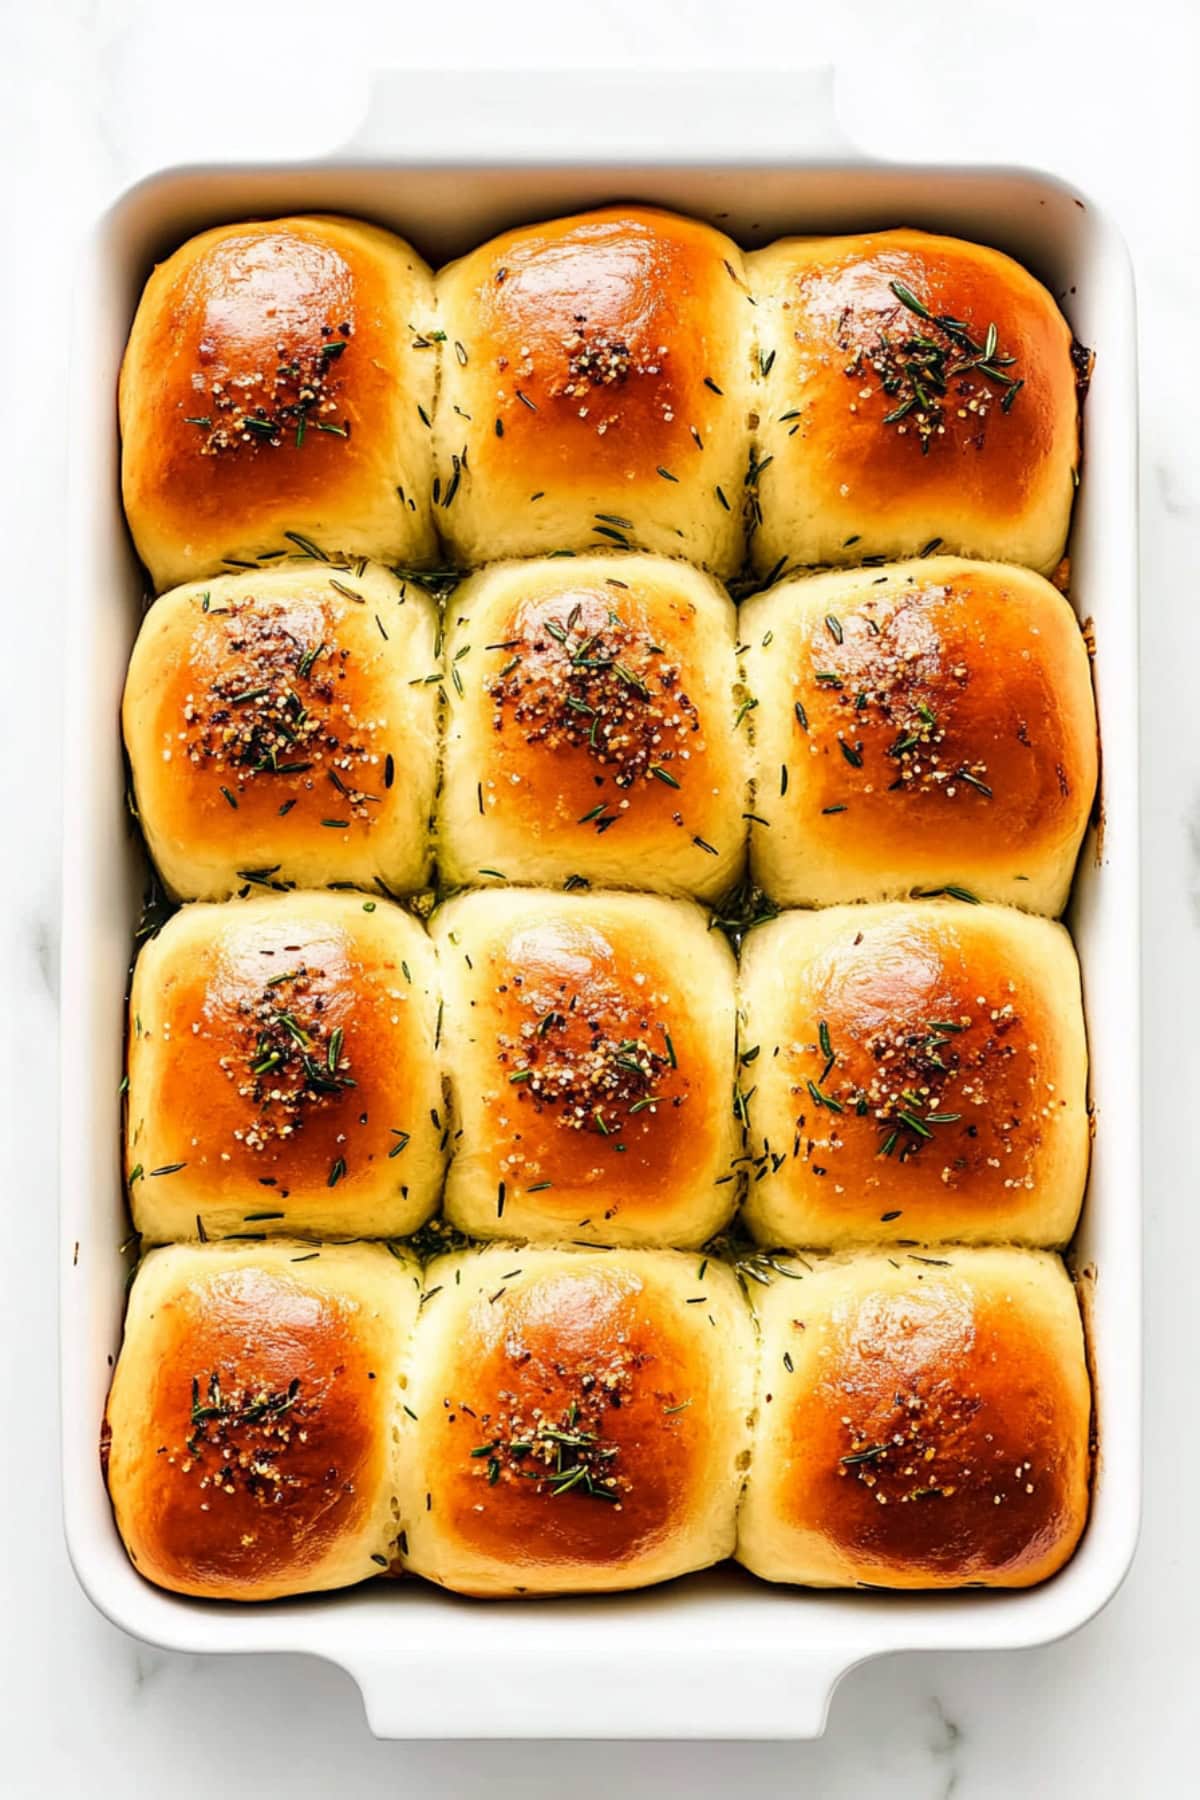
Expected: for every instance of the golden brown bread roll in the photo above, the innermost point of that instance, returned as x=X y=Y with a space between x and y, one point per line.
x=249 y=1425
x=283 y=1073
x=280 y=730
x=923 y=1422
x=576 y=1421
x=918 y=1072
x=592 y=727
x=589 y=1043
x=915 y=388
x=923 y=726
x=278 y=385
x=595 y=390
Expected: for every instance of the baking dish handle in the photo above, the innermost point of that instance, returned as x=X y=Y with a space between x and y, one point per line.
x=704 y=1692
x=624 y=115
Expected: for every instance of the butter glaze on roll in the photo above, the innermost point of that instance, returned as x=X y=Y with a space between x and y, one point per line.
x=921 y=1424
x=592 y=727
x=595 y=390
x=577 y=1422
x=249 y=1426
x=922 y=726
x=589 y=1040
x=279 y=723
x=279 y=378
x=919 y=1072
x=282 y=1071
x=884 y=430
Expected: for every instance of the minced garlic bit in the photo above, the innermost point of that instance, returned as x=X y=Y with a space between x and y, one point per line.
x=263 y=408
x=291 y=1059
x=880 y=672
x=927 y=370
x=920 y=1449
x=239 y=1435
x=595 y=363
x=964 y=1081
x=561 y=1449
x=585 y=679
x=274 y=715
x=598 y=1059
x=601 y=360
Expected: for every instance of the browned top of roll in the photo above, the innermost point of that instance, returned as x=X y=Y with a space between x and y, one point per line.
x=942 y=707
x=899 y=403
x=568 y=1411
x=289 y=1054
x=592 y=702
x=942 y=1434
x=602 y=335
x=599 y=1064
x=930 y=1053
x=261 y=1444
x=261 y=375
x=270 y=712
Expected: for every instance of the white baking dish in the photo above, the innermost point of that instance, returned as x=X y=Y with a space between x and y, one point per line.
x=718 y=1655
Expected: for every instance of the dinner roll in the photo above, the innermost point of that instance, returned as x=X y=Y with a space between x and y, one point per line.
x=595 y=390
x=915 y=388
x=282 y=1071
x=923 y=1422
x=589 y=1040
x=250 y=1420
x=280 y=730
x=925 y=726
x=592 y=727
x=278 y=386
x=918 y=1072
x=576 y=1421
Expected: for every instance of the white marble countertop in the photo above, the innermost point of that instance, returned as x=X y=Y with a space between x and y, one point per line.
x=95 y=92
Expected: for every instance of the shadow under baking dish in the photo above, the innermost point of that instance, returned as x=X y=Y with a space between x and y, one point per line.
x=720 y=1654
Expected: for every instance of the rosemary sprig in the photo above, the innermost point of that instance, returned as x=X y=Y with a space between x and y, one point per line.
x=916 y=369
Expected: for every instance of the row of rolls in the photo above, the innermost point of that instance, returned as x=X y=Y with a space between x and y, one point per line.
x=615 y=719
x=615 y=1085
x=519 y=1421
x=623 y=376
x=597 y=1066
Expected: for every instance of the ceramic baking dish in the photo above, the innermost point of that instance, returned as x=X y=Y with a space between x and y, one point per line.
x=718 y=1655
